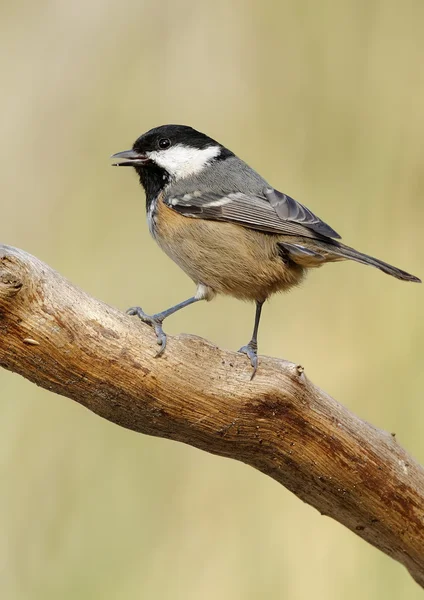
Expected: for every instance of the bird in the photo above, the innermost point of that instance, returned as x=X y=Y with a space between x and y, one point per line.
x=226 y=227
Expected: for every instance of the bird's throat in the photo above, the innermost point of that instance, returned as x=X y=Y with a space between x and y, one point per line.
x=153 y=179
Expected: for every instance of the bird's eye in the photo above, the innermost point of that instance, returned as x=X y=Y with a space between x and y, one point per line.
x=164 y=143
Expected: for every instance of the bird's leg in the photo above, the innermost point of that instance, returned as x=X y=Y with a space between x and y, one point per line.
x=251 y=350
x=156 y=320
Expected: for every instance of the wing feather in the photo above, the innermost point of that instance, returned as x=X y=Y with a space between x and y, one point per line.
x=291 y=210
x=273 y=212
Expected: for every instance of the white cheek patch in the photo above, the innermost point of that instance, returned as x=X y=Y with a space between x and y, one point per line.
x=182 y=161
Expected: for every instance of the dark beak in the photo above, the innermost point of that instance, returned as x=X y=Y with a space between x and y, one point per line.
x=129 y=158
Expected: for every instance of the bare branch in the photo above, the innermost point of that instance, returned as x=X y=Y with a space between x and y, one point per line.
x=60 y=338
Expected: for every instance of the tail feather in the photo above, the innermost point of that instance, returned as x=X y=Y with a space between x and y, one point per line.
x=310 y=254
x=348 y=252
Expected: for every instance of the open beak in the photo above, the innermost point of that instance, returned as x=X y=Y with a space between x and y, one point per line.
x=129 y=158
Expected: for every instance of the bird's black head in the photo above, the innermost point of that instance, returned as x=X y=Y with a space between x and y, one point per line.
x=168 y=136
x=170 y=152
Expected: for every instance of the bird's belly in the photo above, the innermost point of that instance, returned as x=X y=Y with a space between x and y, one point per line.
x=227 y=258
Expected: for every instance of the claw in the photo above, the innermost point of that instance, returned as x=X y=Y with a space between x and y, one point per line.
x=155 y=322
x=161 y=340
x=251 y=352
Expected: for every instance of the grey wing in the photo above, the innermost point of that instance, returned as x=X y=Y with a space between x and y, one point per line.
x=272 y=212
x=291 y=210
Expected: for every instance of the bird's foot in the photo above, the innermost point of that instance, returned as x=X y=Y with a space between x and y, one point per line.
x=251 y=351
x=155 y=321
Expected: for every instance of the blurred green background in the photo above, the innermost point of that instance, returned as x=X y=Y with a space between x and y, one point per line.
x=326 y=100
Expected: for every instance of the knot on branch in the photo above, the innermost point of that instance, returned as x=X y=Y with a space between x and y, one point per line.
x=11 y=280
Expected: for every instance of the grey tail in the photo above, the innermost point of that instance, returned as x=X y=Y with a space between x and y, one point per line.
x=347 y=252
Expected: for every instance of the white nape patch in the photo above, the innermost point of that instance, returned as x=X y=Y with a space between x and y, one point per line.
x=182 y=161
x=204 y=292
x=221 y=202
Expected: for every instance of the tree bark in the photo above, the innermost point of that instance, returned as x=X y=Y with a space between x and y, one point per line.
x=60 y=338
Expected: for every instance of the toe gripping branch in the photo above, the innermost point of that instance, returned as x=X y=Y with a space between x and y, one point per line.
x=155 y=321
x=251 y=351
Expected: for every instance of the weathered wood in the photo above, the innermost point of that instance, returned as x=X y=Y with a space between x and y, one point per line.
x=60 y=338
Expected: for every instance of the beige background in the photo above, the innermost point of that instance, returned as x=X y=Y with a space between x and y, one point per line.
x=326 y=100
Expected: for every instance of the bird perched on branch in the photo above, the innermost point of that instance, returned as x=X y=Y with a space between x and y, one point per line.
x=225 y=226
